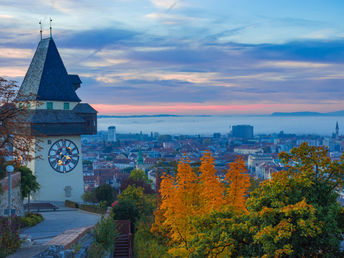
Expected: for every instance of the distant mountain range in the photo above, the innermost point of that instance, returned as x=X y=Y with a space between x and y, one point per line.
x=303 y=113
x=307 y=113
x=140 y=116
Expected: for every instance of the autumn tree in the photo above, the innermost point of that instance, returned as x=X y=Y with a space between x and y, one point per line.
x=138 y=178
x=193 y=195
x=179 y=201
x=297 y=213
x=211 y=192
x=16 y=141
x=239 y=183
x=221 y=234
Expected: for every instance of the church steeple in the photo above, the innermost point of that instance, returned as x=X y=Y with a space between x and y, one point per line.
x=139 y=161
x=47 y=78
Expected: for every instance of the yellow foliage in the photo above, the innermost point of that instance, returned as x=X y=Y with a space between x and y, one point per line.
x=189 y=194
x=212 y=189
x=239 y=182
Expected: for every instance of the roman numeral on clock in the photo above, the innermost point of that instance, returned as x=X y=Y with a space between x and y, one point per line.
x=63 y=156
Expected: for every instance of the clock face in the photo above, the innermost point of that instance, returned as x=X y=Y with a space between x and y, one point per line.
x=63 y=156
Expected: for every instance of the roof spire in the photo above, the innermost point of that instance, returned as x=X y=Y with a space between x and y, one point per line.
x=50 y=28
x=40 y=32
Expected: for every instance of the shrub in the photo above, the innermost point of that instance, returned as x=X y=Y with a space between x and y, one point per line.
x=30 y=220
x=105 y=193
x=147 y=245
x=9 y=236
x=125 y=209
x=71 y=204
x=92 y=208
x=89 y=197
x=95 y=250
x=106 y=233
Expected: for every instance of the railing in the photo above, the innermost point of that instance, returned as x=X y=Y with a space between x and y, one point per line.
x=124 y=227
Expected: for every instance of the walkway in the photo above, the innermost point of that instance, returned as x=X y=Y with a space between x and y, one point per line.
x=55 y=223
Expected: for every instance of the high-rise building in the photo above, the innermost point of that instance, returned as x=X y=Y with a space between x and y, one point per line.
x=242 y=131
x=57 y=120
x=112 y=134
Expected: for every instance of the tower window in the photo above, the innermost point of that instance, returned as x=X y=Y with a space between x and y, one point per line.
x=66 y=106
x=49 y=105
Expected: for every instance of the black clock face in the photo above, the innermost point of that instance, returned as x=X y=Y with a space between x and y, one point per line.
x=63 y=156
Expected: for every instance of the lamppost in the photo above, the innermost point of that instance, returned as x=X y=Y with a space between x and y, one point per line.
x=9 y=170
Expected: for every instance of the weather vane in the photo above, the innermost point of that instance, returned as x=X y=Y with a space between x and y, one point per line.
x=40 y=32
x=50 y=28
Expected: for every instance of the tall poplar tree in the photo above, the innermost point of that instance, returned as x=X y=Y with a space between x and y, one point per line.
x=239 y=183
x=212 y=188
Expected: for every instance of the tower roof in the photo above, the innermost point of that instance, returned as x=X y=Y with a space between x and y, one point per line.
x=47 y=78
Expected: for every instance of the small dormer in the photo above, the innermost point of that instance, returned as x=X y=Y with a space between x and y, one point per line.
x=75 y=81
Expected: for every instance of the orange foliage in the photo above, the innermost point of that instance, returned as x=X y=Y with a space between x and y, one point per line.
x=212 y=188
x=239 y=182
x=180 y=200
x=188 y=195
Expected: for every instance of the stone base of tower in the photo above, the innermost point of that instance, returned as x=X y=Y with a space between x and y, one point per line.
x=60 y=190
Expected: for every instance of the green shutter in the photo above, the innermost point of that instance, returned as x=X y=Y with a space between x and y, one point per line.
x=49 y=105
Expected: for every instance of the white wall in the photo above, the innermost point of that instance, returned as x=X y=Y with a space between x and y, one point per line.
x=57 y=105
x=52 y=183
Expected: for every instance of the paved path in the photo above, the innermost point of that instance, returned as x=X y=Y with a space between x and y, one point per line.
x=55 y=223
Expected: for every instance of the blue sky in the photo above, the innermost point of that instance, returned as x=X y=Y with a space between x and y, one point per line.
x=194 y=57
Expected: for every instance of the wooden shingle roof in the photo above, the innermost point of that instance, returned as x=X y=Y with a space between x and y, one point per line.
x=47 y=78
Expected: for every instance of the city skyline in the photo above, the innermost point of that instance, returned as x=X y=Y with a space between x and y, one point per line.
x=186 y=57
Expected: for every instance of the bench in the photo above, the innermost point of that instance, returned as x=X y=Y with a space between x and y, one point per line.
x=40 y=206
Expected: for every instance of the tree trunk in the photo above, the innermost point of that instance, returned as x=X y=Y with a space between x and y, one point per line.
x=28 y=203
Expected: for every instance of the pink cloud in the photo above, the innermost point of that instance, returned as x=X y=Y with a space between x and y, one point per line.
x=187 y=108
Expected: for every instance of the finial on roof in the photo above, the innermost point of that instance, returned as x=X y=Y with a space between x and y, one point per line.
x=50 y=28
x=40 y=32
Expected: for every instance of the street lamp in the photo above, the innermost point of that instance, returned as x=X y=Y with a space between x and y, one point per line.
x=9 y=170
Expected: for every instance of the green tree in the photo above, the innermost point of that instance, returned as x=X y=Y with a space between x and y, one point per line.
x=144 y=203
x=297 y=213
x=139 y=175
x=138 y=178
x=221 y=234
x=28 y=183
x=125 y=210
x=105 y=193
x=89 y=196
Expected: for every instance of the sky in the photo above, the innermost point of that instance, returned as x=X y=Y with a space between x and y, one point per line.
x=187 y=56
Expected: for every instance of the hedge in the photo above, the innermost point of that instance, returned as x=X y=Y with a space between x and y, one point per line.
x=92 y=208
x=71 y=204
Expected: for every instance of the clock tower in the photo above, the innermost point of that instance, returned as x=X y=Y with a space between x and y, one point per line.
x=56 y=119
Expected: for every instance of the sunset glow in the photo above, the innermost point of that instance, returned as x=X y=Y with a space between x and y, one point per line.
x=187 y=57
x=198 y=109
